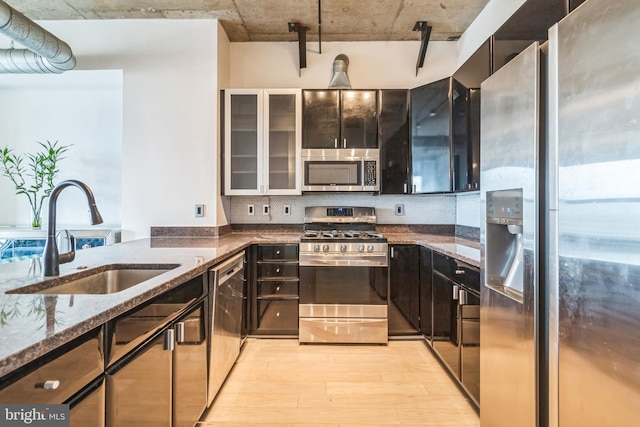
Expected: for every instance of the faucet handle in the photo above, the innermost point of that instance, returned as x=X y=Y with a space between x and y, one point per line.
x=71 y=255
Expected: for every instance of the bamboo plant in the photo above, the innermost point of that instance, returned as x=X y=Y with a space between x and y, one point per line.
x=39 y=169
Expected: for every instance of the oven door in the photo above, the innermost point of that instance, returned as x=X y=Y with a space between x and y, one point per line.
x=343 y=304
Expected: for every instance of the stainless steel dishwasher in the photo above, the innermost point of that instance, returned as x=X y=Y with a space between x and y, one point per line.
x=225 y=293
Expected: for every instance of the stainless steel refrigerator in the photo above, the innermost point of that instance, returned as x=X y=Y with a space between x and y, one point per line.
x=560 y=229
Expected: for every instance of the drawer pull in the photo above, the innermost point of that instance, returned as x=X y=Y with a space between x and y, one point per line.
x=459 y=272
x=277 y=252
x=180 y=332
x=277 y=270
x=169 y=340
x=48 y=385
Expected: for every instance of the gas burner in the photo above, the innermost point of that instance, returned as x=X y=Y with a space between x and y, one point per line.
x=310 y=234
x=374 y=235
x=353 y=234
x=329 y=234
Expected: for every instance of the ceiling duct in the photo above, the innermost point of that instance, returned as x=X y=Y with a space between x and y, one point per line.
x=339 y=78
x=45 y=52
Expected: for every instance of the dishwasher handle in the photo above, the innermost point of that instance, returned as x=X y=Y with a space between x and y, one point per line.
x=229 y=269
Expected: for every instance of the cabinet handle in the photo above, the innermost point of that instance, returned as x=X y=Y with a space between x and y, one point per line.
x=344 y=143
x=335 y=143
x=277 y=270
x=278 y=252
x=48 y=384
x=392 y=252
x=463 y=297
x=459 y=272
x=456 y=292
x=169 y=340
x=179 y=332
x=404 y=188
x=414 y=189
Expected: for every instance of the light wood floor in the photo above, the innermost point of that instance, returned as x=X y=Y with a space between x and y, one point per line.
x=278 y=382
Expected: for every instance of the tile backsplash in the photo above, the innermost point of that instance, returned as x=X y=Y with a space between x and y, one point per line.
x=418 y=209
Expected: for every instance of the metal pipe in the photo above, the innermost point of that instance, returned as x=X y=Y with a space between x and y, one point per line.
x=45 y=52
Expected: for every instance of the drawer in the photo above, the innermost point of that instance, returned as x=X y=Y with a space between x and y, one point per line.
x=277 y=252
x=70 y=367
x=277 y=269
x=457 y=270
x=278 y=289
x=277 y=316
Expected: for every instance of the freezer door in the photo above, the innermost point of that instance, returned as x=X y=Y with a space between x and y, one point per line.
x=595 y=62
x=509 y=160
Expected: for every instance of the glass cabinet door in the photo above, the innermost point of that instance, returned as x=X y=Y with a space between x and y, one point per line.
x=242 y=136
x=283 y=134
x=430 y=142
x=321 y=119
x=359 y=122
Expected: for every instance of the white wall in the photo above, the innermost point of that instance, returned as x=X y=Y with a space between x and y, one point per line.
x=494 y=14
x=78 y=108
x=223 y=208
x=169 y=136
x=372 y=65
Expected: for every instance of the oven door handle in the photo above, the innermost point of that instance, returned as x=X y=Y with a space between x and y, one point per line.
x=344 y=263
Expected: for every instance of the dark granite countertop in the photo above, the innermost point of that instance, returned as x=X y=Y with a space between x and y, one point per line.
x=31 y=325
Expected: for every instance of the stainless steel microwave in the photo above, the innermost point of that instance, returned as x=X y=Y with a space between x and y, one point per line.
x=341 y=169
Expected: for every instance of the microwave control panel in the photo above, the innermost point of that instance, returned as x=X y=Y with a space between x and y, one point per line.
x=370 y=173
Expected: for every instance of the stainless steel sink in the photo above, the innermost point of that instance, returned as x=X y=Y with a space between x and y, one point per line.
x=103 y=280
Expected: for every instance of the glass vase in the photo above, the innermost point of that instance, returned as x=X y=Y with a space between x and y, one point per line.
x=36 y=221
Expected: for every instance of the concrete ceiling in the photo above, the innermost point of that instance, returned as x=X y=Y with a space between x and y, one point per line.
x=266 y=20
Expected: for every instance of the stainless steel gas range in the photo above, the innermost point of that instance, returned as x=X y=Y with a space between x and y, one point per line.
x=343 y=277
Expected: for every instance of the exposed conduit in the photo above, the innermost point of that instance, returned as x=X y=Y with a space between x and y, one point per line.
x=45 y=52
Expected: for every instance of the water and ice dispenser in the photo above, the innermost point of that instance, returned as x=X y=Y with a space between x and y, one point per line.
x=504 y=270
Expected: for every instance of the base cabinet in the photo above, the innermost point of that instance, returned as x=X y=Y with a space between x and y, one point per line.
x=157 y=375
x=139 y=388
x=456 y=320
x=426 y=294
x=404 y=289
x=274 y=280
x=88 y=407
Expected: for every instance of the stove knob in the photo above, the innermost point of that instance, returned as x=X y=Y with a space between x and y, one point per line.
x=370 y=248
x=325 y=248
x=316 y=248
x=343 y=248
x=361 y=248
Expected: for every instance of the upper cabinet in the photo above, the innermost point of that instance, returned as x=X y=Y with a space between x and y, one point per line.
x=431 y=137
x=393 y=136
x=262 y=142
x=340 y=119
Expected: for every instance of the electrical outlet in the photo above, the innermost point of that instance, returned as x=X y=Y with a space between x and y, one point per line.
x=265 y=209
x=399 y=209
x=251 y=209
x=286 y=211
x=199 y=211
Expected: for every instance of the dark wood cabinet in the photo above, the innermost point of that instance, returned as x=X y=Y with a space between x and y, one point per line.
x=339 y=119
x=404 y=290
x=431 y=137
x=426 y=293
x=445 y=137
x=393 y=136
x=273 y=282
x=456 y=319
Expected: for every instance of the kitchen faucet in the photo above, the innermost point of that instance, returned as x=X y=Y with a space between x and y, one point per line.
x=51 y=258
